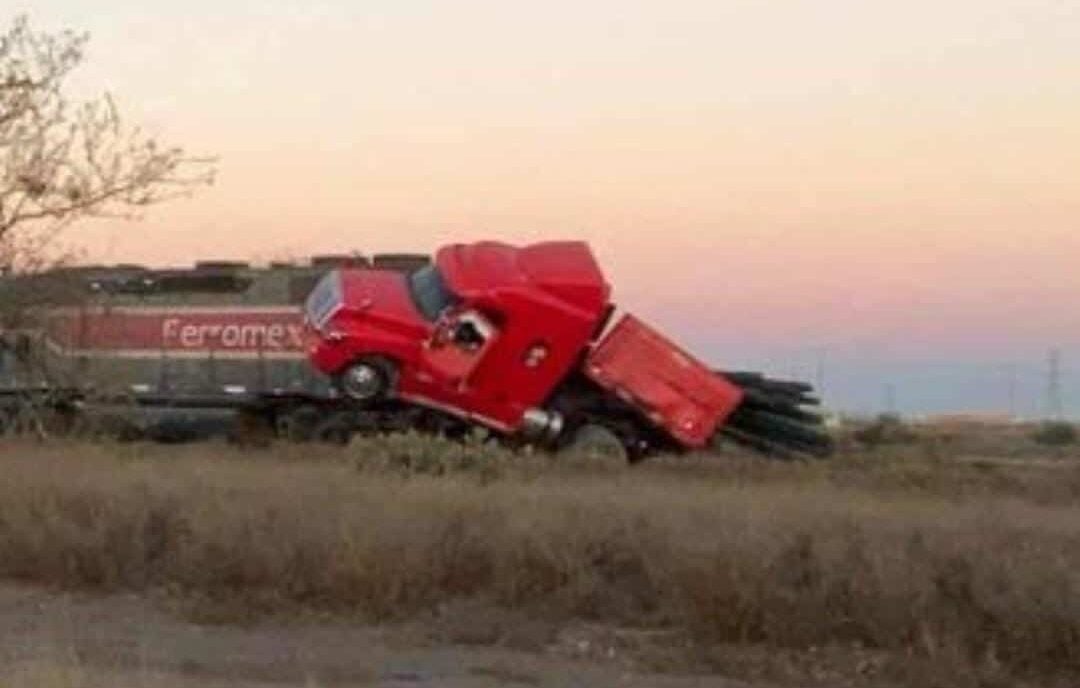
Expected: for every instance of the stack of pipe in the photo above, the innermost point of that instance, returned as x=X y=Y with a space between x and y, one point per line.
x=774 y=418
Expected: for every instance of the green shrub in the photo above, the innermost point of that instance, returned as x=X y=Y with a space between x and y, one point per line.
x=1055 y=434
x=885 y=429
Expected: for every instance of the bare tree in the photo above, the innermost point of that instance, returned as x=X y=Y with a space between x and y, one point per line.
x=62 y=160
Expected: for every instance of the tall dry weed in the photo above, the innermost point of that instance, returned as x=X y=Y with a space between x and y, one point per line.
x=735 y=556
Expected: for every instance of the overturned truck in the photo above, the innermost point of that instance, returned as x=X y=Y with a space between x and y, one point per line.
x=522 y=341
x=525 y=341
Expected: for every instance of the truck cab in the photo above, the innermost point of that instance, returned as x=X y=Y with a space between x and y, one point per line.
x=485 y=332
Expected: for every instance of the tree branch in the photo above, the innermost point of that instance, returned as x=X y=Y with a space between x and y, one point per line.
x=61 y=162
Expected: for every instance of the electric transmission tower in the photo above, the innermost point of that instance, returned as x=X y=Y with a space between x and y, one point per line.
x=1054 y=407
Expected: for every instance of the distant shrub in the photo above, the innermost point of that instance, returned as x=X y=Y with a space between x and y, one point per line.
x=1055 y=434
x=885 y=429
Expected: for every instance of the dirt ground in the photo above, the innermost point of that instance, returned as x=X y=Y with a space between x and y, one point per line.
x=67 y=640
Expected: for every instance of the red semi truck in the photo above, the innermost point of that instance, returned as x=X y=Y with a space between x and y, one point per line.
x=520 y=340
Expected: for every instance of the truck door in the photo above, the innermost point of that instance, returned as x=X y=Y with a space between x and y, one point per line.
x=457 y=347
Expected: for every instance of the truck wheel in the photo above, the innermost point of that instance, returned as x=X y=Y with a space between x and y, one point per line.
x=593 y=441
x=365 y=381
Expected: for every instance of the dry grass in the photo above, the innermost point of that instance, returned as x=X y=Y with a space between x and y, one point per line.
x=66 y=673
x=905 y=555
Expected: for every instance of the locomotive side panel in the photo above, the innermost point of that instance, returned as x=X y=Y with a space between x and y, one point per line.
x=205 y=331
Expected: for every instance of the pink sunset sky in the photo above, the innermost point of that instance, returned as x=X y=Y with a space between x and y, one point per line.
x=896 y=184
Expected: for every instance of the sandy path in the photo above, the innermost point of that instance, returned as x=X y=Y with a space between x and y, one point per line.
x=59 y=640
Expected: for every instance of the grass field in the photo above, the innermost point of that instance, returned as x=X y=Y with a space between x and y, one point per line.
x=963 y=570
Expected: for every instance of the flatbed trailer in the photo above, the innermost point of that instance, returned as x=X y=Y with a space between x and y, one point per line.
x=671 y=388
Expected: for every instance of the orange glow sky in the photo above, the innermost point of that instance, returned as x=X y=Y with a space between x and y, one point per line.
x=892 y=182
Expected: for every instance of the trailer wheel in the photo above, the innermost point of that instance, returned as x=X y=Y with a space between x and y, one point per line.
x=597 y=443
x=366 y=380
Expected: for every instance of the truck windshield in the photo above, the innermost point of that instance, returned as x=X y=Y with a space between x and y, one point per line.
x=429 y=292
x=325 y=300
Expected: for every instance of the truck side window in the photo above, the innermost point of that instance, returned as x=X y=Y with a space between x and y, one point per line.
x=429 y=293
x=472 y=331
x=467 y=335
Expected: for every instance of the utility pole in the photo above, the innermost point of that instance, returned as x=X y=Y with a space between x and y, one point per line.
x=1010 y=372
x=819 y=371
x=793 y=356
x=1054 y=408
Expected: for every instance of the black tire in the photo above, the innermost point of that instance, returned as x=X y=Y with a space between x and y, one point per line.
x=367 y=380
x=595 y=442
